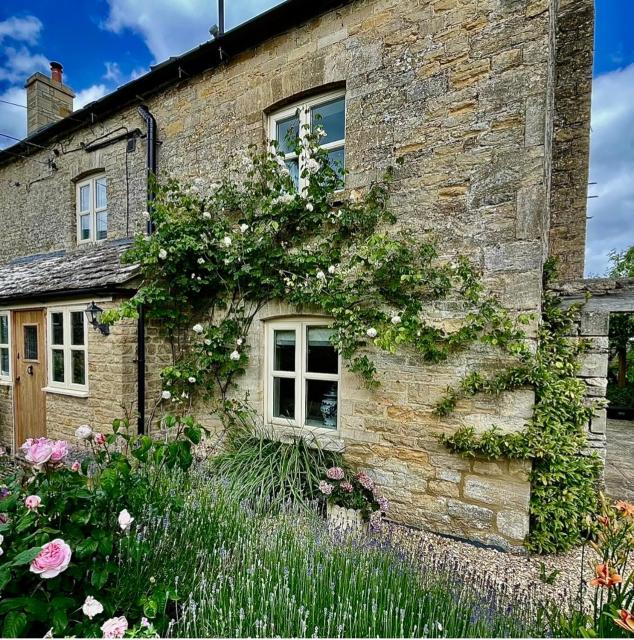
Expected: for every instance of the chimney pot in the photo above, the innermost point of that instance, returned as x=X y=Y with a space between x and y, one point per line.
x=56 y=72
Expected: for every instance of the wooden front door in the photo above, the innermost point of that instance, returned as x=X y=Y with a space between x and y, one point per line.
x=29 y=366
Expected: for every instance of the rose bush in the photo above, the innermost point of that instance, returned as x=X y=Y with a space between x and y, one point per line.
x=62 y=522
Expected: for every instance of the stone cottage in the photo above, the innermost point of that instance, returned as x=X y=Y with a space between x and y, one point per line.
x=486 y=102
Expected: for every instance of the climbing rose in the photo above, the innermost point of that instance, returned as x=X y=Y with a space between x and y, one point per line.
x=125 y=520
x=325 y=487
x=227 y=241
x=166 y=395
x=40 y=451
x=92 y=607
x=191 y=379
x=162 y=254
x=207 y=215
x=321 y=275
x=309 y=207
x=312 y=165
x=115 y=627
x=60 y=450
x=235 y=355
x=100 y=439
x=335 y=473
x=332 y=269
x=84 y=432
x=197 y=328
x=371 y=332
x=52 y=559
x=208 y=342
x=396 y=319
x=244 y=227
x=32 y=502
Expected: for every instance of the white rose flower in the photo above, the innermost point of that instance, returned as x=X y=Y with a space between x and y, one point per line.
x=239 y=342
x=321 y=275
x=227 y=241
x=208 y=342
x=331 y=269
x=125 y=520
x=312 y=165
x=309 y=206
x=191 y=379
x=166 y=395
x=84 y=432
x=371 y=332
x=244 y=227
x=207 y=215
x=197 y=328
x=92 y=607
x=162 y=254
x=201 y=261
x=235 y=355
x=396 y=319
x=146 y=215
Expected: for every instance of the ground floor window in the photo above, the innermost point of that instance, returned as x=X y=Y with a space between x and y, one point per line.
x=303 y=374
x=67 y=346
x=5 y=351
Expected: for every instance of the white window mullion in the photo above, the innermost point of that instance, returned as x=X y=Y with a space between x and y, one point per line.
x=67 y=359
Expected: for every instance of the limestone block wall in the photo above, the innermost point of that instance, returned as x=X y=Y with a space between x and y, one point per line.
x=6 y=416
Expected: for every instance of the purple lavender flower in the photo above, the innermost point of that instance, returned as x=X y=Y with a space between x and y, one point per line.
x=335 y=473
x=375 y=520
x=325 y=487
x=365 y=481
x=4 y=492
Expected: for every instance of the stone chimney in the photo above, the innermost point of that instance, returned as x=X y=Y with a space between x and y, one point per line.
x=47 y=99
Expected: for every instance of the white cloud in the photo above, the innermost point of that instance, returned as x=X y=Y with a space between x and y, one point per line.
x=113 y=72
x=612 y=167
x=90 y=94
x=13 y=118
x=21 y=63
x=171 y=27
x=25 y=29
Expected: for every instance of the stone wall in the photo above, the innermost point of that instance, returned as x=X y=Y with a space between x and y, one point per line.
x=571 y=150
x=458 y=90
x=6 y=416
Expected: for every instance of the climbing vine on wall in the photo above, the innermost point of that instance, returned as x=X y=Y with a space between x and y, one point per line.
x=564 y=475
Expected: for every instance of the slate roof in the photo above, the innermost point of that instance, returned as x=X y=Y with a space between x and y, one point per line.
x=90 y=269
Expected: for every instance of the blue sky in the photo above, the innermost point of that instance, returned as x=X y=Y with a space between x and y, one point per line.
x=105 y=43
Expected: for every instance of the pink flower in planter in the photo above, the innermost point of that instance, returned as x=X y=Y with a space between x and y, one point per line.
x=365 y=481
x=75 y=466
x=347 y=487
x=100 y=439
x=325 y=487
x=335 y=473
x=384 y=504
x=115 y=627
x=60 y=450
x=32 y=502
x=52 y=559
x=39 y=451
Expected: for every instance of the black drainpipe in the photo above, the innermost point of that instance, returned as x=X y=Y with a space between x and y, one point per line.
x=151 y=172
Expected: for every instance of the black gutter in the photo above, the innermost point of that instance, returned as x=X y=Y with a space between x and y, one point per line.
x=150 y=122
x=208 y=55
x=106 y=290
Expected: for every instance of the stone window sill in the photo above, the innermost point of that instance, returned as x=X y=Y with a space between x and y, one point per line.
x=6 y=383
x=327 y=439
x=66 y=392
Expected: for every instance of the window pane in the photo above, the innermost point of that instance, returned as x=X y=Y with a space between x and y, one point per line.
x=284 y=398
x=322 y=356
x=57 y=325
x=284 y=351
x=321 y=403
x=78 y=363
x=4 y=361
x=84 y=226
x=293 y=169
x=30 y=342
x=287 y=132
x=84 y=198
x=58 y=365
x=76 y=327
x=102 y=225
x=336 y=160
x=332 y=117
x=101 y=194
x=4 y=329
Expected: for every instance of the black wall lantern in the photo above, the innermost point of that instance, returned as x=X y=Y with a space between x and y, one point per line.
x=93 y=313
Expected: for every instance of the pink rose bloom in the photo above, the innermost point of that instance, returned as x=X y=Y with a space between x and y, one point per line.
x=40 y=451
x=115 y=627
x=335 y=473
x=347 y=487
x=4 y=518
x=75 y=466
x=100 y=439
x=60 y=450
x=27 y=445
x=32 y=502
x=52 y=559
x=325 y=487
x=365 y=481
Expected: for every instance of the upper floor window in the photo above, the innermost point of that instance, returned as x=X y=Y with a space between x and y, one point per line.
x=92 y=209
x=329 y=112
x=67 y=345
x=303 y=374
x=5 y=351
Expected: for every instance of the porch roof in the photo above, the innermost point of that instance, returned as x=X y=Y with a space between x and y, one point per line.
x=82 y=271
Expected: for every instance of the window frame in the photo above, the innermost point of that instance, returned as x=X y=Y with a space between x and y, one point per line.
x=93 y=211
x=67 y=348
x=7 y=345
x=302 y=109
x=300 y=375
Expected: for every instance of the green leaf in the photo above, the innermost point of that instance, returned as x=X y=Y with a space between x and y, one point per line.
x=14 y=625
x=25 y=557
x=99 y=577
x=59 y=620
x=5 y=577
x=86 y=548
